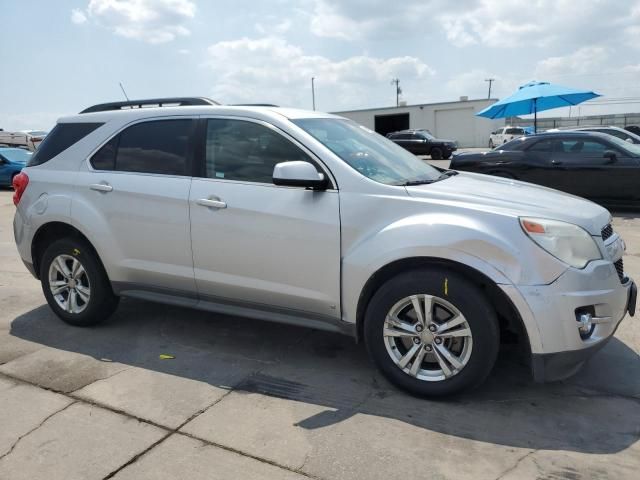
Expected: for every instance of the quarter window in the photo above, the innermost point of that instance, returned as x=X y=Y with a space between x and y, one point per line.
x=246 y=151
x=63 y=136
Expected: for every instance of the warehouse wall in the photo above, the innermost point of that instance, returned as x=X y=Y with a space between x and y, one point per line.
x=450 y=120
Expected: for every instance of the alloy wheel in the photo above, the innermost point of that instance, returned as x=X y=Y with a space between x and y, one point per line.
x=69 y=284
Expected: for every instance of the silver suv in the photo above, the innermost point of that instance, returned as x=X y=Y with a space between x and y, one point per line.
x=309 y=219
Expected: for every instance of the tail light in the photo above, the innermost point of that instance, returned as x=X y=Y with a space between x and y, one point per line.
x=20 y=182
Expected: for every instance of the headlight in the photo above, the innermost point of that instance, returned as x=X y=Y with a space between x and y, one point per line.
x=565 y=241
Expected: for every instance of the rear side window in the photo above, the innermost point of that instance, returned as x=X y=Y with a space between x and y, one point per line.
x=161 y=146
x=514 y=131
x=59 y=139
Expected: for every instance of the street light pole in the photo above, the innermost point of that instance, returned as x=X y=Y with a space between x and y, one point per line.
x=313 y=92
x=490 y=80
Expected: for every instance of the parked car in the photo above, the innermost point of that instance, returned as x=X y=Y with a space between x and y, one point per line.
x=504 y=135
x=422 y=142
x=618 y=132
x=310 y=219
x=29 y=139
x=593 y=165
x=635 y=129
x=12 y=160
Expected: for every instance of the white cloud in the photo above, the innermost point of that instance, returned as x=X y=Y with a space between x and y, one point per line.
x=78 y=17
x=278 y=28
x=582 y=61
x=271 y=70
x=152 y=21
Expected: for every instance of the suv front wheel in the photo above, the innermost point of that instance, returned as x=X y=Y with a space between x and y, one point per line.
x=432 y=332
x=75 y=283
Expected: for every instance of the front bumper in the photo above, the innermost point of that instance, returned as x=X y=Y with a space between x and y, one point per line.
x=549 y=314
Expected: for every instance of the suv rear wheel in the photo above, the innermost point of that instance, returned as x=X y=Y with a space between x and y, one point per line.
x=436 y=153
x=75 y=283
x=432 y=332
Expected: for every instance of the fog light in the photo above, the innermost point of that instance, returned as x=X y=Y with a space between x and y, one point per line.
x=586 y=325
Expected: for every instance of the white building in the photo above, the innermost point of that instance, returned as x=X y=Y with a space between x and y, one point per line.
x=447 y=120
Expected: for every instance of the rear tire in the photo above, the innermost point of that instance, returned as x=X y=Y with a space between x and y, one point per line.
x=491 y=145
x=436 y=153
x=75 y=284
x=471 y=342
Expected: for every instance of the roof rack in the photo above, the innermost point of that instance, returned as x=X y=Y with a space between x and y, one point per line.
x=151 y=102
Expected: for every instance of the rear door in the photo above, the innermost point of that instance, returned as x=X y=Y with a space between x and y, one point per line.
x=581 y=168
x=137 y=187
x=263 y=246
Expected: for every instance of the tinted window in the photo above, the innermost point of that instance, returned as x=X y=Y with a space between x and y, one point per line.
x=59 y=139
x=514 y=131
x=155 y=147
x=577 y=147
x=246 y=151
x=541 y=146
x=105 y=158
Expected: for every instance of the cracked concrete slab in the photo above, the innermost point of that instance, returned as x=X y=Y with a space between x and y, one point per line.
x=82 y=442
x=12 y=347
x=23 y=408
x=164 y=399
x=59 y=370
x=184 y=457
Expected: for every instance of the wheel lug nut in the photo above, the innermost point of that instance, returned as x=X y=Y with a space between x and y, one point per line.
x=438 y=341
x=416 y=341
x=432 y=328
x=428 y=348
x=419 y=328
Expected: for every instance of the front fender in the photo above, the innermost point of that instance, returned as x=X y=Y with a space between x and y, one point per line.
x=495 y=249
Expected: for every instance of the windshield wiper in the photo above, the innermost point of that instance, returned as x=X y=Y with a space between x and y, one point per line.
x=417 y=182
x=448 y=173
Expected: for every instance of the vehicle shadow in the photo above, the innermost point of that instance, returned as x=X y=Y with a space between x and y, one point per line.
x=595 y=412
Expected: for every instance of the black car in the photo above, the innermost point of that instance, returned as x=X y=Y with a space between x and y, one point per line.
x=421 y=142
x=633 y=129
x=591 y=165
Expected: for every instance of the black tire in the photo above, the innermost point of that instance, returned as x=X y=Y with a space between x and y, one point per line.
x=102 y=301
x=447 y=156
x=491 y=145
x=436 y=153
x=458 y=291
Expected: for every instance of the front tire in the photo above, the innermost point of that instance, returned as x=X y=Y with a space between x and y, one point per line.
x=75 y=284
x=436 y=153
x=432 y=332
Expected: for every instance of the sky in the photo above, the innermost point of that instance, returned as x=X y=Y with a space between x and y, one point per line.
x=61 y=56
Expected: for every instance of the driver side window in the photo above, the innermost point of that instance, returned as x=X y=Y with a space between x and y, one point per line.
x=246 y=151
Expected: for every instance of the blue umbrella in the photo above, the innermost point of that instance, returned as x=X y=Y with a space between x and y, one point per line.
x=534 y=97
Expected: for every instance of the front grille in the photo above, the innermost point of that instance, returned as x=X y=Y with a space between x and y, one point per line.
x=607 y=231
x=620 y=269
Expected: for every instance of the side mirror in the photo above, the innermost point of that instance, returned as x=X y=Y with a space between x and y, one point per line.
x=299 y=174
x=628 y=139
x=610 y=155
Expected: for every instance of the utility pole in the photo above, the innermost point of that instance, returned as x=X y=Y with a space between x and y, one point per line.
x=396 y=81
x=490 y=80
x=313 y=92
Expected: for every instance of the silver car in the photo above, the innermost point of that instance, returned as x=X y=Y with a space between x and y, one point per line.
x=310 y=219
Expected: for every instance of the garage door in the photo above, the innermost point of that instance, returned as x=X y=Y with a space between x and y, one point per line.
x=456 y=124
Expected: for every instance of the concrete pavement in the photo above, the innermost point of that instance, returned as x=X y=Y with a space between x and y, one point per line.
x=245 y=399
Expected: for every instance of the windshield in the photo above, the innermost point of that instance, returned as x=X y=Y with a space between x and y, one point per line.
x=426 y=134
x=37 y=133
x=16 y=155
x=632 y=148
x=369 y=153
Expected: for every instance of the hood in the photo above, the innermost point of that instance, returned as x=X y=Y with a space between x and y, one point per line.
x=511 y=197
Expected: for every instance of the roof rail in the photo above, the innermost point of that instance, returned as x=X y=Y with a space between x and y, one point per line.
x=253 y=105
x=151 y=102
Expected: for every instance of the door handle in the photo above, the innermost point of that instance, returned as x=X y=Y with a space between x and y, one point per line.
x=208 y=202
x=101 y=187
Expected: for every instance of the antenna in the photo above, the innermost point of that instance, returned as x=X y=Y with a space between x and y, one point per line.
x=125 y=93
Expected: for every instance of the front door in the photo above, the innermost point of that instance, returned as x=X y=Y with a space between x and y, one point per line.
x=255 y=243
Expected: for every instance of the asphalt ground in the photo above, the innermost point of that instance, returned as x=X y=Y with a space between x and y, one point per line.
x=247 y=399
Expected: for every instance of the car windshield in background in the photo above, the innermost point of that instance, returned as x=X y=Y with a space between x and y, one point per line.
x=369 y=153
x=426 y=135
x=16 y=155
x=632 y=148
x=37 y=133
